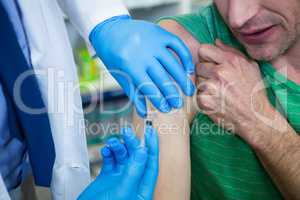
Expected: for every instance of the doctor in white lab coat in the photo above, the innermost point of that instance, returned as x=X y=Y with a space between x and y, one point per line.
x=136 y=48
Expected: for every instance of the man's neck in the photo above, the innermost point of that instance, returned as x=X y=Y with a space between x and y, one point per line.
x=288 y=64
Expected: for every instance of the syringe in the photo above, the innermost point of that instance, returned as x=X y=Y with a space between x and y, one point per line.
x=148 y=121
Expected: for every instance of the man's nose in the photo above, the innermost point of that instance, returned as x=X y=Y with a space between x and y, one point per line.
x=241 y=11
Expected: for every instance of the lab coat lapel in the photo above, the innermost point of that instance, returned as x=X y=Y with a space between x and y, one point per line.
x=23 y=98
x=52 y=58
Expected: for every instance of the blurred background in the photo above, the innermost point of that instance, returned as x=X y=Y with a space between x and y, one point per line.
x=110 y=108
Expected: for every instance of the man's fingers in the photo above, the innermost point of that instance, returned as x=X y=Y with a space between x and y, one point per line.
x=205 y=102
x=209 y=87
x=183 y=52
x=177 y=72
x=134 y=170
x=212 y=53
x=108 y=160
x=206 y=70
x=218 y=53
x=147 y=185
x=119 y=150
x=161 y=78
x=221 y=45
x=131 y=141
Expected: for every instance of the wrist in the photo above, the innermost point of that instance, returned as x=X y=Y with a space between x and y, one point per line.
x=255 y=117
x=263 y=121
x=99 y=28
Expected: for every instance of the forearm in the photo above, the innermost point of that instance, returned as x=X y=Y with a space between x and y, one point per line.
x=278 y=148
x=284 y=166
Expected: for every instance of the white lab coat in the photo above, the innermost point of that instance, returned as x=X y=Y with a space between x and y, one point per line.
x=51 y=53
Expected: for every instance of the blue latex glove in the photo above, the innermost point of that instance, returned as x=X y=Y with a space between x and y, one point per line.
x=129 y=171
x=140 y=57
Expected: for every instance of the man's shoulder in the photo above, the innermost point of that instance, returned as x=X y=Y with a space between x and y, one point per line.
x=193 y=28
x=205 y=25
x=200 y=15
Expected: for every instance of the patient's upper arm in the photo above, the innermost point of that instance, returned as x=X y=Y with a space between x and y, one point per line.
x=174 y=157
x=173 y=128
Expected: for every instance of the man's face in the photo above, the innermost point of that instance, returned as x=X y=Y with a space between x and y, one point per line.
x=267 y=28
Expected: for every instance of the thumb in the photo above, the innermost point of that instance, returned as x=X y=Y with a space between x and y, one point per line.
x=148 y=182
x=108 y=160
x=134 y=170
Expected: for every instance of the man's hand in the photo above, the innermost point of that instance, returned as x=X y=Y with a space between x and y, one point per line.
x=140 y=57
x=129 y=171
x=229 y=88
x=231 y=92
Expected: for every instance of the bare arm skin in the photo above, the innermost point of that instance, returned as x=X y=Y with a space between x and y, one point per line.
x=173 y=128
x=174 y=167
x=278 y=148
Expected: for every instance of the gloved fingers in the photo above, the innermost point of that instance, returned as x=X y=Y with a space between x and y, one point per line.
x=149 y=180
x=177 y=72
x=146 y=86
x=134 y=170
x=140 y=104
x=161 y=78
x=152 y=142
x=183 y=52
x=135 y=96
x=108 y=160
x=131 y=141
x=119 y=151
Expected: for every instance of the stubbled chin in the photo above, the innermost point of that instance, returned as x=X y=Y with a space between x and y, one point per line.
x=262 y=53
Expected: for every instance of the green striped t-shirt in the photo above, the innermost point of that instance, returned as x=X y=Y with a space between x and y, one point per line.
x=223 y=165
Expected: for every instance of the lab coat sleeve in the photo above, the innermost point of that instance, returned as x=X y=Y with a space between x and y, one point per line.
x=86 y=14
